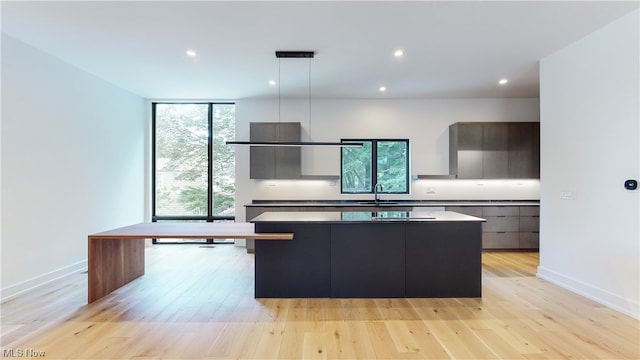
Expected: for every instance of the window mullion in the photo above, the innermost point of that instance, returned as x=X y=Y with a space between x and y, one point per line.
x=210 y=165
x=374 y=165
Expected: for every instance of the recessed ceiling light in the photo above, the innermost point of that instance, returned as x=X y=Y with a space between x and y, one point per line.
x=398 y=53
x=382 y=89
x=272 y=82
x=503 y=81
x=191 y=53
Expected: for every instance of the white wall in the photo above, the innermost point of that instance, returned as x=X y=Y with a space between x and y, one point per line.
x=589 y=230
x=425 y=122
x=72 y=164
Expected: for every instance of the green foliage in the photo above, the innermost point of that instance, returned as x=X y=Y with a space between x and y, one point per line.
x=194 y=199
x=390 y=165
x=182 y=136
x=356 y=168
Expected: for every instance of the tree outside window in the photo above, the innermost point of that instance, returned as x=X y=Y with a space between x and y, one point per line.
x=184 y=161
x=379 y=161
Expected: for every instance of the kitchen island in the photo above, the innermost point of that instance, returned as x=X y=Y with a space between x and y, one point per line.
x=362 y=254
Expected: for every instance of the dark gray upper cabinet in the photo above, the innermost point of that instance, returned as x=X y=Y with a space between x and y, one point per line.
x=497 y=150
x=274 y=162
x=524 y=150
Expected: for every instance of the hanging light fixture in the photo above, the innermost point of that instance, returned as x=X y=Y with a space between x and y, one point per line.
x=296 y=54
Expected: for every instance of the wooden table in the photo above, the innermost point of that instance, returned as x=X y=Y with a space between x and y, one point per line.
x=116 y=257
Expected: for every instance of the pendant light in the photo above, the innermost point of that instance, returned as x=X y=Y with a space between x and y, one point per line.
x=296 y=54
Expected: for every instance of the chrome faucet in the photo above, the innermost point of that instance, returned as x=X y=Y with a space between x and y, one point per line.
x=376 y=198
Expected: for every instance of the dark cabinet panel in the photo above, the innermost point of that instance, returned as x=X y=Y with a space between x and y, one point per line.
x=498 y=150
x=530 y=240
x=268 y=162
x=524 y=152
x=501 y=240
x=367 y=261
x=530 y=210
x=443 y=260
x=470 y=136
x=529 y=223
x=500 y=211
x=470 y=164
x=501 y=224
x=299 y=268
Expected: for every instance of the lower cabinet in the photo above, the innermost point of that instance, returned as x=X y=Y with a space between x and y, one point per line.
x=367 y=261
x=507 y=227
x=529 y=227
x=300 y=268
x=370 y=260
x=430 y=250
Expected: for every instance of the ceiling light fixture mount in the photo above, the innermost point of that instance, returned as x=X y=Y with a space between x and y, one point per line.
x=296 y=55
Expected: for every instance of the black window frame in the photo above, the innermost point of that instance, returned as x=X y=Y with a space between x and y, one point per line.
x=209 y=217
x=374 y=166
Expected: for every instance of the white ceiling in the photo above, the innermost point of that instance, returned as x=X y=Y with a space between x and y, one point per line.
x=452 y=48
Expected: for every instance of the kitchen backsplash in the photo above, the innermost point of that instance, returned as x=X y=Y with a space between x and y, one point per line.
x=521 y=189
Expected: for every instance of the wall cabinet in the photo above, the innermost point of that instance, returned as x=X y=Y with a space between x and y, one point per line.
x=507 y=227
x=274 y=162
x=494 y=150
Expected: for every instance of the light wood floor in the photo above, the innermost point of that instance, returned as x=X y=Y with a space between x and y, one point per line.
x=197 y=302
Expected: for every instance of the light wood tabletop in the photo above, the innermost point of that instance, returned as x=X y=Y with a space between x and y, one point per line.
x=224 y=230
x=116 y=257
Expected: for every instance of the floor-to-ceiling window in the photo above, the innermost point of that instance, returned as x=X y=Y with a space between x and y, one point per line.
x=193 y=170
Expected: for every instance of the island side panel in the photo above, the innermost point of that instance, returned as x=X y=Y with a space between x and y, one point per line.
x=299 y=268
x=367 y=260
x=444 y=259
x=112 y=264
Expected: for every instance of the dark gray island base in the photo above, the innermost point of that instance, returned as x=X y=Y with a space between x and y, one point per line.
x=369 y=255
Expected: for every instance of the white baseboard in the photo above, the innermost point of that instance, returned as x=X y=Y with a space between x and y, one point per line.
x=15 y=290
x=626 y=306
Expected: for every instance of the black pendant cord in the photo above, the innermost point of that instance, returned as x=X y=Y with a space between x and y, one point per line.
x=279 y=99
x=294 y=54
x=309 y=92
x=275 y=158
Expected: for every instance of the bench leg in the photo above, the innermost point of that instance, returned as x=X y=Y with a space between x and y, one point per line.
x=112 y=264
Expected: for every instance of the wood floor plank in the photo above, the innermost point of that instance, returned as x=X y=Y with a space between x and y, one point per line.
x=197 y=303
